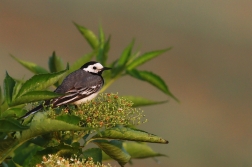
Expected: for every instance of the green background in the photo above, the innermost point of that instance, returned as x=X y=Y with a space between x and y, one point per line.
x=208 y=69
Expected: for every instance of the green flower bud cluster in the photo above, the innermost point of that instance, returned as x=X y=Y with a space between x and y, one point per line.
x=57 y=161
x=108 y=110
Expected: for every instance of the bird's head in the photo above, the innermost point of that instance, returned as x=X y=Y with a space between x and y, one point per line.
x=94 y=67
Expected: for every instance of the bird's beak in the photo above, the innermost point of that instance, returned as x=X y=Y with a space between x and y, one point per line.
x=106 y=68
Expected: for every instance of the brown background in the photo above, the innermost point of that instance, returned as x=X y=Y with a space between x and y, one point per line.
x=208 y=69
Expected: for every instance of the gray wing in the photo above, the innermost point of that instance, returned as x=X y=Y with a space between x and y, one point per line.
x=76 y=86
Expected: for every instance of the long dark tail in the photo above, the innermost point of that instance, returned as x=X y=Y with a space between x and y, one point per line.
x=33 y=111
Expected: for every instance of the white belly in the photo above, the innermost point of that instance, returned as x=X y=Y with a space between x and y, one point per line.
x=84 y=100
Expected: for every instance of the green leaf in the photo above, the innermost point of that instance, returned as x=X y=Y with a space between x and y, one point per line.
x=101 y=36
x=40 y=82
x=140 y=101
x=31 y=66
x=95 y=153
x=125 y=54
x=10 y=125
x=62 y=150
x=153 y=79
x=100 y=55
x=25 y=154
x=81 y=61
x=16 y=89
x=123 y=133
x=114 y=149
x=1 y=96
x=6 y=144
x=55 y=63
x=144 y=58
x=34 y=96
x=2 y=135
x=104 y=47
x=3 y=107
x=9 y=84
x=106 y=50
x=40 y=125
x=123 y=60
x=105 y=157
x=137 y=150
x=13 y=112
x=71 y=119
x=140 y=150
x=88 y=35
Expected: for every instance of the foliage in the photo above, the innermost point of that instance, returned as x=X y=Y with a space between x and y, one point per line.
x=56 y=161
x=107 y=121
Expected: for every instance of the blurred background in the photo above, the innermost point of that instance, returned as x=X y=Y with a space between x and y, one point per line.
x=208 y=69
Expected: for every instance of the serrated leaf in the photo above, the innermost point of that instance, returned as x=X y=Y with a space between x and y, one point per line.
x=140 y=150
x=10 y=125
x=141 y=101
x=40 y=82
x=153 y=79
x=145 y=57
x=31 y=66
x=88 y=35
x=71 y=119
x=81 y=61
x=122 y=61
x=95 y=153
x=114 y=149
x=34 y=96
x=124 y=133
x=9 y=84
x=55 y=63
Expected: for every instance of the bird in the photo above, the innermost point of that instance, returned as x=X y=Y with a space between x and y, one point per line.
x=78 y=87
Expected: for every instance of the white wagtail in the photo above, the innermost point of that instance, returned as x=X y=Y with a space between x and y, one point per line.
x=78 y=87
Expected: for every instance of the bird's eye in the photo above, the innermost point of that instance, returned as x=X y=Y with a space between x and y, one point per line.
x=94 y=68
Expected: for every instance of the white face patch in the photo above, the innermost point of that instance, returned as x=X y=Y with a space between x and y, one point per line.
x=95 y=68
